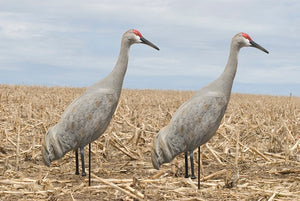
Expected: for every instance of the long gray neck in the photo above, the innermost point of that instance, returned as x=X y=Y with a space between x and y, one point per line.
x=225 y=80
x=114 y=80
x=116 y=77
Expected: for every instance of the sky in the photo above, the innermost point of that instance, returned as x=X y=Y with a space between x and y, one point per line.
x=76 y=43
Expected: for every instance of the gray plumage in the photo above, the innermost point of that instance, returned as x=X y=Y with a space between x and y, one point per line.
x=197 y=120
x=88 y=116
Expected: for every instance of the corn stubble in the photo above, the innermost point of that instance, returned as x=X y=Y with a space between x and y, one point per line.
x=255 y=154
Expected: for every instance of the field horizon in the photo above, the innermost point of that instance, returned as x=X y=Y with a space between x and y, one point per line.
x=150 y=89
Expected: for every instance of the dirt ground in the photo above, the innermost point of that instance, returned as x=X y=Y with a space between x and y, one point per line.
x=255 y=154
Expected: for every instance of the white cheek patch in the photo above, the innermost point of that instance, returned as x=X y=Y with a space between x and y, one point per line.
x=137 y=38
x=247 y=42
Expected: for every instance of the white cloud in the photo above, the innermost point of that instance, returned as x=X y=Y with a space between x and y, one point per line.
x=194 y=36
x=274 y=75
x=9 y=68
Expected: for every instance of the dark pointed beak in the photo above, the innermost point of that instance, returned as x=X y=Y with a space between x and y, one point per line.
x=145 y=41
x=254 y=44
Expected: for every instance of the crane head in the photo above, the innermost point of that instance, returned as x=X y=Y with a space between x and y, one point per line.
x=250 y=43
x=138 y=38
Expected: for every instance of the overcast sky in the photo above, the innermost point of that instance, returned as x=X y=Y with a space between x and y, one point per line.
x=76 y=43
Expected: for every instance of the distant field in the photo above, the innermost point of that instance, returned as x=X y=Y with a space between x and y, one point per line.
x=255 y=154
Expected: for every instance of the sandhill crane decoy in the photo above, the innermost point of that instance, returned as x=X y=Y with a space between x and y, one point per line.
x=88 y=116
x=197 y=120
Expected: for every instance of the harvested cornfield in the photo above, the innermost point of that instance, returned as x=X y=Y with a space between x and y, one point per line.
x=255 y=155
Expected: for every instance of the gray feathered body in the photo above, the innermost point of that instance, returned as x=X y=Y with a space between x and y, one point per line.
x=85 y=120
x=193 y=124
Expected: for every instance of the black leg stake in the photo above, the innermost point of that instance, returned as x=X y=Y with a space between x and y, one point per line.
x=186 y=165
x=90 y=164
x=192 y=165
x=199 y=167
x=82 y=161
x=76 y=159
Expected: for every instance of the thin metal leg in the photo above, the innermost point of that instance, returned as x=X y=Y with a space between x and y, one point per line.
x=199 y=167
x=186 y=165
x=82 y=161
x=192 y=165
x=77 y=164
x=90 y=164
